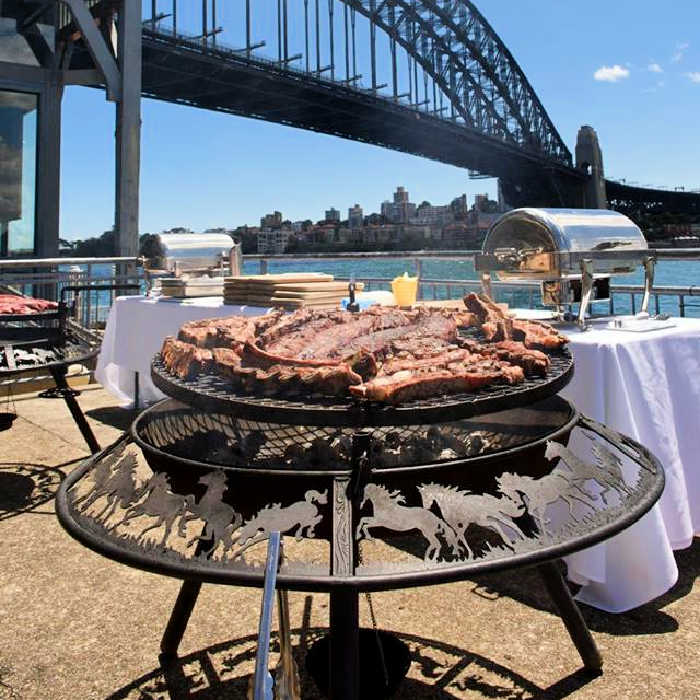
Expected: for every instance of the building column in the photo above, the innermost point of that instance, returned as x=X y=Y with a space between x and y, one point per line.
x=128 y=130
x=48 y=167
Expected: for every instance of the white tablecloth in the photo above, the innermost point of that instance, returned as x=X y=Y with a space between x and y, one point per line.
x=646 y=385
x=135 y=330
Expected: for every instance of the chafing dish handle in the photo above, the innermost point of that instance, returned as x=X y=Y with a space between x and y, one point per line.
x=586 y=291
x=649 y=264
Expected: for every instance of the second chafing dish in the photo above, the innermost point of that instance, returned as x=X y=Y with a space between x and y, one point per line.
x=572 y=252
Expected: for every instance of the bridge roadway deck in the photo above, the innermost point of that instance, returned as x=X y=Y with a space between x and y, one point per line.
x=220 y=80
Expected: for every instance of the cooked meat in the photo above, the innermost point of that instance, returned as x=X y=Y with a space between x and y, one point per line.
x=383 y=354
x=16 y=304
x=497 y=327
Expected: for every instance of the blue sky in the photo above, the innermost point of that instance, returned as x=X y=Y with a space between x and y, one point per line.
x=629 y=68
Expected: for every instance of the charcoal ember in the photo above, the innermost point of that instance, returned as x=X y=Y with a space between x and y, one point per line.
x=251 y=443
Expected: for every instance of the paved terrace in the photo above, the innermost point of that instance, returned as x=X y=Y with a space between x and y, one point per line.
x=75 y=625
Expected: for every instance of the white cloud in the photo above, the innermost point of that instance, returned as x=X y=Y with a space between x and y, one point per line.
x=681 y=48
x=694 y=76
x=611 y=74
x=655 y=68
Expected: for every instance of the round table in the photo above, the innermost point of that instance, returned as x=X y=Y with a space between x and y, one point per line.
x=645 y=385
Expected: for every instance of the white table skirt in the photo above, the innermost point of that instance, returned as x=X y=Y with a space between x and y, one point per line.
x=646 y=385
x=135 y=330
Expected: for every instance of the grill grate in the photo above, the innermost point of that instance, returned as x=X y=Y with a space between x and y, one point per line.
x=214 y=393
x=223 y=440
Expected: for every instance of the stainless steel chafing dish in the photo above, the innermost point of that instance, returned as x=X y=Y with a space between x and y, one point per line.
x=572 y=252
x=196 y=254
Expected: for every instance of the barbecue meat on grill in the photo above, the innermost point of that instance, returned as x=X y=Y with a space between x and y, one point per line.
x=381 y=354
x=498 y=327
x=16 y=304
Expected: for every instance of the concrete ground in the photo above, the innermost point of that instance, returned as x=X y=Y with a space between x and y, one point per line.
x=78 y=626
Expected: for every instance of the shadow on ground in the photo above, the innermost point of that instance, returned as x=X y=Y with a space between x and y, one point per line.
x=438 y=672
x=115 y=416
x=526 y=587
x=24 y=487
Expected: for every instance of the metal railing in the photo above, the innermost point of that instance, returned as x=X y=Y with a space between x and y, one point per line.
x=518 y=293
x=45 y=277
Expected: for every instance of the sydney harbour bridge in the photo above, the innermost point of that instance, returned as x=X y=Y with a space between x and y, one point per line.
x=426 y=77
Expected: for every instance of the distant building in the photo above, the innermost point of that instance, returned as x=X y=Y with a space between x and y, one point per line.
x=431 y=215
x=271 y=221
x=355 y=217
x=333 y=214
x=401 y=210
x=297 y=226
x=274 y=242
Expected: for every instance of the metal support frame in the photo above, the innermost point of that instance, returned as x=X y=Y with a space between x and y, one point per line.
x=59 y=376
x=571 y=615
x=97 y=47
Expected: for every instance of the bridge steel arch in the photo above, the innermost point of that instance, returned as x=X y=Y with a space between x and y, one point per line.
x=496 y=124
x=457 y=31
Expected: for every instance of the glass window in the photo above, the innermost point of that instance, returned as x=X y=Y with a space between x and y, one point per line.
x=18 y=135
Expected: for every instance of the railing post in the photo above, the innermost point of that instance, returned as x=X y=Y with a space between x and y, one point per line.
x=263 y=266
x=656 y=304
x=681 y=305
x=634 y=307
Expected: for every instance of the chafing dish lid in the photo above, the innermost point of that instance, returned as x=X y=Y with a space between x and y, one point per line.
x=564 y=230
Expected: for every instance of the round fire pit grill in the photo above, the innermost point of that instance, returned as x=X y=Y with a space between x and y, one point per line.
x=435 y=493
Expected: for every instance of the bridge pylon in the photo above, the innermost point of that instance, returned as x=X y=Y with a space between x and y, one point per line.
x=589 y=159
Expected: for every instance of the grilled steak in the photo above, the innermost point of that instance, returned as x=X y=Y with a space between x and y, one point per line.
x=381 y=354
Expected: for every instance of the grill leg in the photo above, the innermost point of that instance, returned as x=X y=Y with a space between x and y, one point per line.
x=59 y=376
x=571 y=616
x=345 y=646
x=180 y=616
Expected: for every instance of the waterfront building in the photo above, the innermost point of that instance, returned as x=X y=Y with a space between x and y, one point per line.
x=401 y=210
x=297 y=226
x=431 y=215
x=274 y=242
x=271 y=221
x=355 y=217
x=333 y=214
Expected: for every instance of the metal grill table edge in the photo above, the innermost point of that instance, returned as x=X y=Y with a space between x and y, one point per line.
x=195 y=490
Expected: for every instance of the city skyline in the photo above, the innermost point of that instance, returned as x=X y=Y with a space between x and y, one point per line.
x=640 y=90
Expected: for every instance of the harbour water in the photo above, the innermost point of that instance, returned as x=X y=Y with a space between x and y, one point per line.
x=668 y=272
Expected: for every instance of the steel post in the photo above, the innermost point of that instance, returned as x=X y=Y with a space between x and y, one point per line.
x=571 y=616
x=180 y=616
x=344 y=658
x=128 y=130
x=59 y=376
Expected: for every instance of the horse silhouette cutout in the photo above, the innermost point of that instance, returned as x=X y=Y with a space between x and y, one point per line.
x=463 y=508
x=390 y=511
x=121 y=489
x=538 y=494
x=302 y=516
x=162 y=504
x=220 y=518
x=100 y=477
